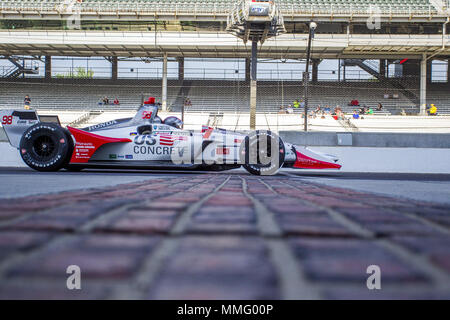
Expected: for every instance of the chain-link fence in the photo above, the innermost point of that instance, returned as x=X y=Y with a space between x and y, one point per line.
x=219 y=95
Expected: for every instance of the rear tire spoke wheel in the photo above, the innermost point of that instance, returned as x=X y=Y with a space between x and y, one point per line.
x=46 y=147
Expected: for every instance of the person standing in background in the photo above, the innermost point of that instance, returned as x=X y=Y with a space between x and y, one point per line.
x=433 y=110
x=27 y=102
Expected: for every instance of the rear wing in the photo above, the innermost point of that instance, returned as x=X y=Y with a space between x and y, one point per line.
x=16 y=122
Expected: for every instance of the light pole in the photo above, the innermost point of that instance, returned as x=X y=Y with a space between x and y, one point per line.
x=312 y=29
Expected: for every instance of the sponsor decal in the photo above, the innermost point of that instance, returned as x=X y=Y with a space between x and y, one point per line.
x=166 y=140
x=133 y=134
x=7 y=120
x=120 y=157
x=180 y=133
x=113 y=156
x=147 y=115
x=129 y=157
x=147 y=144
x=157 y=128
x=305 y=162
x=102 y=125
x=83 y=149
x=146 y=139
x=157 y=150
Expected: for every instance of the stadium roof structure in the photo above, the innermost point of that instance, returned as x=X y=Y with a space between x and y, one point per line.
x=221 y=45
x=197 y=10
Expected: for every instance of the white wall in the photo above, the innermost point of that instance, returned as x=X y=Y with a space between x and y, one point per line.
x=392 y=160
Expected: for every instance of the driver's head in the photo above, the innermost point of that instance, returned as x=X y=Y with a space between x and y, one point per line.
x=173 y=122
x=157 y=120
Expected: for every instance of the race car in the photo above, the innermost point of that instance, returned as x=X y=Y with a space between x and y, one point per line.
x=148 y=142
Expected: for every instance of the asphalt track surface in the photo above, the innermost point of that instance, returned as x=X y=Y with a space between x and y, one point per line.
x=223 y=235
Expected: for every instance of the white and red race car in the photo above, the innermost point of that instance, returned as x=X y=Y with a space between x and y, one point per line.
x=148 y=142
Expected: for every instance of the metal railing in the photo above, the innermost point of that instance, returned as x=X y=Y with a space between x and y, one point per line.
x=205 y=73
x=6 y=70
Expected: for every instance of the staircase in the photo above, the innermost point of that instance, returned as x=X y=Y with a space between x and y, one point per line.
x=370 y=69
x=183 y=92
x=348 y=125
x=14 y=72
x=215 y=120
x=85 y=118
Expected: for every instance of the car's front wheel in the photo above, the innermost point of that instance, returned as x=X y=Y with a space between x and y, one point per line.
x=262 y=153
x=46 y=147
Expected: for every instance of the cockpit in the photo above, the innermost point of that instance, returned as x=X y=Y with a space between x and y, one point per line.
x=147 y=115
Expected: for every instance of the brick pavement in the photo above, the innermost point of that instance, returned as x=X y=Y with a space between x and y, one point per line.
x=221 y=236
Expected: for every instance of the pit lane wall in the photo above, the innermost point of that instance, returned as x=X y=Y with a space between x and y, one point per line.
x=380 y=152
x=368 y=139
x=358 y=152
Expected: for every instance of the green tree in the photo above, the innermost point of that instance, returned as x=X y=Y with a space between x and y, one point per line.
x=80 y=73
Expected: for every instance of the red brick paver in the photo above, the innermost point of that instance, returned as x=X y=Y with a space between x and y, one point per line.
x=221 y=236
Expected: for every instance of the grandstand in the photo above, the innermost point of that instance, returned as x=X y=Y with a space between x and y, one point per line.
x=79 y=97
x=226 y=98
x=412 y=34
x=226 y=109
x=222 y=8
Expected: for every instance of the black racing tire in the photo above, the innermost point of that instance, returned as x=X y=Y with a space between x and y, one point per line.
x=251 y=151
x=46 y=147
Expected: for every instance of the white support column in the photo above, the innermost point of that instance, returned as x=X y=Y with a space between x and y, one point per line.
x=253 y=84
x=164 y=84
x=423 y=85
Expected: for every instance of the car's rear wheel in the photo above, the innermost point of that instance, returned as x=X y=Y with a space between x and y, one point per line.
x=262 y=153
x=46 y=147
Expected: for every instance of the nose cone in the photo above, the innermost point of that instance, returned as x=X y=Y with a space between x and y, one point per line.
x=314 y=161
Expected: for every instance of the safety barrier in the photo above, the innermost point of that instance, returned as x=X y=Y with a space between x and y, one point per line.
x=369 y=140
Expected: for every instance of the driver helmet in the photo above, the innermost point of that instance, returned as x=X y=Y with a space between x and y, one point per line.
x=157 y=120
x=173 y=122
